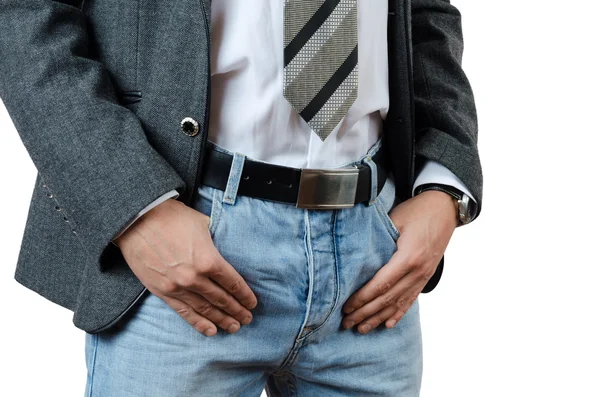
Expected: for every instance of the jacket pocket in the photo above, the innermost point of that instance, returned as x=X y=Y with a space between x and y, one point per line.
x=113 y=27
x=128 y=97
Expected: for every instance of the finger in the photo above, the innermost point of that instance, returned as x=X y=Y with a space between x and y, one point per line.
x=231 y=281
x=219 y=298
x=379 y=284
x=394 y=296
x=390 y=315
x=214 y=314
x=392 y=320
x=198 y=322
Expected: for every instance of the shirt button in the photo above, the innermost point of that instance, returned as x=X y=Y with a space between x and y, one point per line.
x=189 y=126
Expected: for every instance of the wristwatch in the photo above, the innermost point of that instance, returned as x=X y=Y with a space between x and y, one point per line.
x=467 y=208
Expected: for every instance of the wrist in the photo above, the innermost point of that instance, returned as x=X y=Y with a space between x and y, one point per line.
x=151 y=212
x=466 y=207
x=445 y=203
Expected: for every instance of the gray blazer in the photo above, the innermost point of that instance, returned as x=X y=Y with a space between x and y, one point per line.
x=97 y=89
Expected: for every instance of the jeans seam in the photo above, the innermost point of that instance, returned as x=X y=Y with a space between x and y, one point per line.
x=291 y=383
x=288 y=361
x=93 y=363
x=291 y=357
x=250 y=384
x=336 y=260
x=311 y=268
x=337 y=276
x=389 y=225
x=215 y=213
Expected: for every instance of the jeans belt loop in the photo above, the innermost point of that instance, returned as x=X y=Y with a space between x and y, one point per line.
x=374 y=178
x=233 y=182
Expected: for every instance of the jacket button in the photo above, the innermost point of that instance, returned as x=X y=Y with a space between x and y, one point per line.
x=189 y=126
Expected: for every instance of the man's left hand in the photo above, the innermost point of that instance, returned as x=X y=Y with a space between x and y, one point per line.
x=426 y=223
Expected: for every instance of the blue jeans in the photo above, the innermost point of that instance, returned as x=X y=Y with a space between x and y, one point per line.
x=302 y=265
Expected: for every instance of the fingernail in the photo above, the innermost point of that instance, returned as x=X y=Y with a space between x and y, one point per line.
x=247 y=320
x=233 y=328
x=366 y=328
x=350 y=324
x=348 y=310
x=251 y=304
x=210 y=332
x=391 y=324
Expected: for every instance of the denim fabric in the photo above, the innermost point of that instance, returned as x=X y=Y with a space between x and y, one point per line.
x=302 y=265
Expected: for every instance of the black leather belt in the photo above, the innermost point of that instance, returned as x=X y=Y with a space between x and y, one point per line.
x=306 y=188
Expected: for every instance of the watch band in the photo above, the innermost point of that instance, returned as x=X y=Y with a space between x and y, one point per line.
x=467 y=208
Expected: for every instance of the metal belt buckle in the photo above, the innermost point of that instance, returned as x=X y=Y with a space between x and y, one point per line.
x=327 y=189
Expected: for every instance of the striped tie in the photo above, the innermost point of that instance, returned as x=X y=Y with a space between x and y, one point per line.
x=320 y=60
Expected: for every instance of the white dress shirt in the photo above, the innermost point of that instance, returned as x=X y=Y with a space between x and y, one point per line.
x=249 y=114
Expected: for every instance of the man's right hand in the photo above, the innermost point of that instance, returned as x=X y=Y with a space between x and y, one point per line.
x=171 y=251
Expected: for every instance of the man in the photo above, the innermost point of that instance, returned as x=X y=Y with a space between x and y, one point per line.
x=225 y=191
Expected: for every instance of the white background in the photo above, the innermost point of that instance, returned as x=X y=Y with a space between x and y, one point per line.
x=516 y=312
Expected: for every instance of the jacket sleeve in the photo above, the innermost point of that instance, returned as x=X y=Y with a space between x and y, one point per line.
x=91 y=152
x=445 y=114
x=170 y=194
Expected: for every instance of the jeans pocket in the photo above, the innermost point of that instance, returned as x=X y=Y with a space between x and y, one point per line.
x=208 y=202
x=383 y=205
